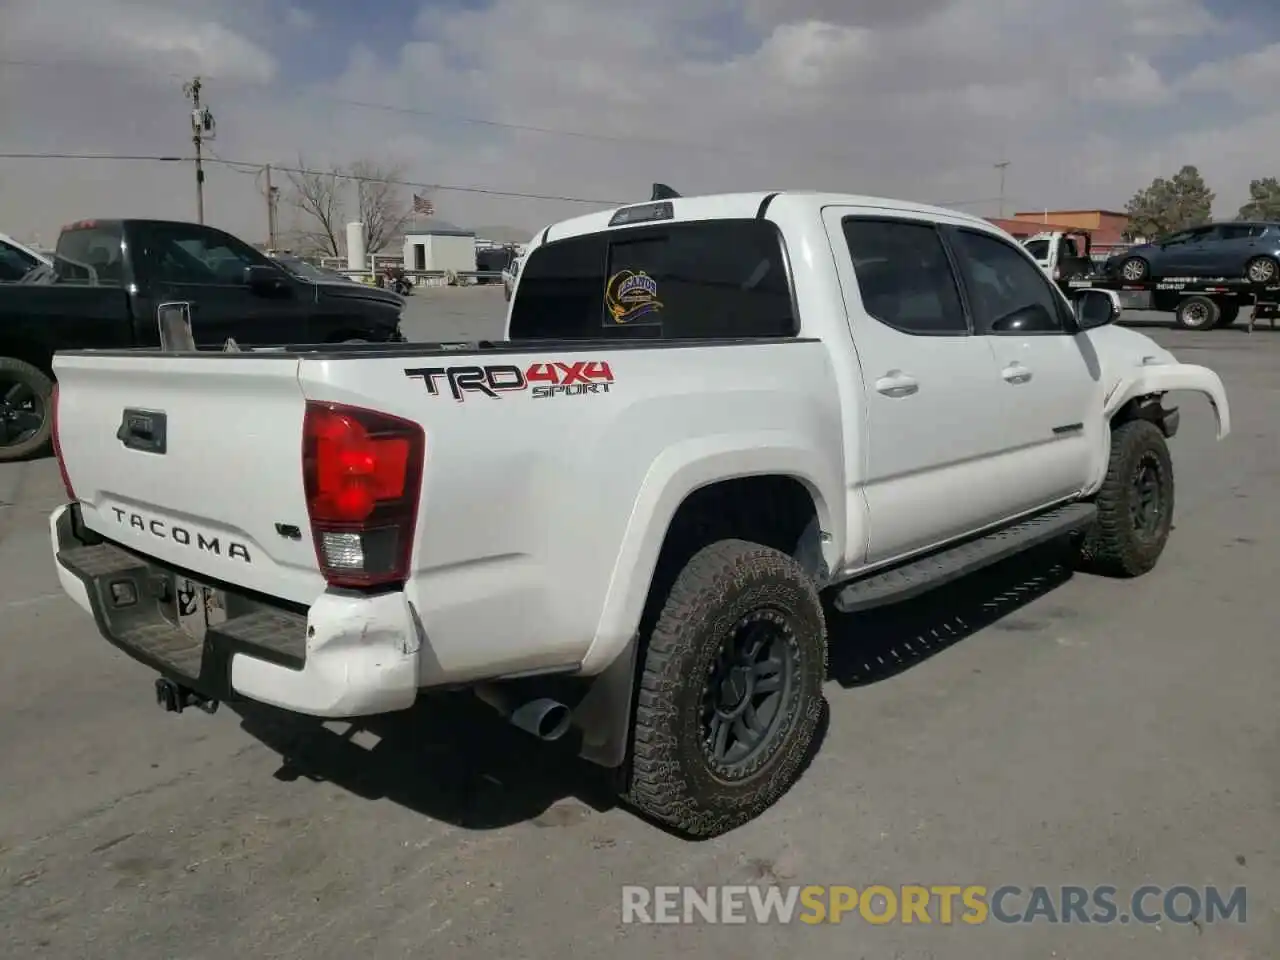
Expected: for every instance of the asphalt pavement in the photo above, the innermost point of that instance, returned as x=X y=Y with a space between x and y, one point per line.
x=1027 y=727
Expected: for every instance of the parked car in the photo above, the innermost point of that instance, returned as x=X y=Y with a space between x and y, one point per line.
x=509 y=275
x=621 y=519
x=17 y=260
x=107 y=280
x=309 y=271
x=1242 y=248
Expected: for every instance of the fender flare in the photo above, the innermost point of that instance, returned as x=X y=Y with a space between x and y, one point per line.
x=1161 y=378
x=673 y=475
x=1154 y=380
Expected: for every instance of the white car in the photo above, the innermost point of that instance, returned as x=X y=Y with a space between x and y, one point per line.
x=17 y=259
x=709 y=412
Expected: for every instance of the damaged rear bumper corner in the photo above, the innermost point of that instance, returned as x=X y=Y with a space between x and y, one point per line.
x=347 y=655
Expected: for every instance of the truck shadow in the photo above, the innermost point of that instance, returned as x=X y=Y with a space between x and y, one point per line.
x=452 y=758
x=870 y=647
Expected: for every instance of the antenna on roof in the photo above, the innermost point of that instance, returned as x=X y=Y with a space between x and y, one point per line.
x=662 y=192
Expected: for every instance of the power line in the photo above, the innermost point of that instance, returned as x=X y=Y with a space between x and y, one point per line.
x=255 y=169
x=155 y=158
x=624 y=139
x=302 y=171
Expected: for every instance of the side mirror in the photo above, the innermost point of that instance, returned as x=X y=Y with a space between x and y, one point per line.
x=263 y=279
x=1096 y=308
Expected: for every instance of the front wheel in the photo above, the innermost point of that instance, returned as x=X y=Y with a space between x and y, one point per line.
x=1135 y=504
x=730 y=689
x=1135 y=269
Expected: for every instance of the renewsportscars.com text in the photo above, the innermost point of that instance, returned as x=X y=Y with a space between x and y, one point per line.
x=941 y=904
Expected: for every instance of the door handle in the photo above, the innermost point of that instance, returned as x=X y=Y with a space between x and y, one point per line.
x=1016 y=373
x=895 y=383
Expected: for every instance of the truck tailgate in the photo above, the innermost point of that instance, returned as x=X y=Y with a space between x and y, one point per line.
x=195 y=461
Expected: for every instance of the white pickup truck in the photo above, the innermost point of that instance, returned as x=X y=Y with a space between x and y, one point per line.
x=619 y=521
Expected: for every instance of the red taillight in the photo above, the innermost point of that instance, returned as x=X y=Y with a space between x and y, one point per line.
x=362 y=472
x=57 y=445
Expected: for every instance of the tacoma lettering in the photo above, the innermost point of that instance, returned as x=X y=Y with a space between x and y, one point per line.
x=232 y=549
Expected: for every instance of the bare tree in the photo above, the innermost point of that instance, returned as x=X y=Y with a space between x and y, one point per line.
x=317 y=197
x=383 y=210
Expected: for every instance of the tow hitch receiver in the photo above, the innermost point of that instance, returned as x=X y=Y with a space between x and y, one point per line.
x=174 y=698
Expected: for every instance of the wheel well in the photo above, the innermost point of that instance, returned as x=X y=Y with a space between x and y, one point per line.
x=38 y=355
x=773 y=510
x=1147 y=407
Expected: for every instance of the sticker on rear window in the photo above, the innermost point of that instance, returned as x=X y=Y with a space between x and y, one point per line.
x=629 y=296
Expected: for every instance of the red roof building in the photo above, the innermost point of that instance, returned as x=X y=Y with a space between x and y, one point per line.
x=1106 y=227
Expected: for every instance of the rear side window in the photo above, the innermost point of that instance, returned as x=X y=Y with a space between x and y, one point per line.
x=904 y=276
x=91 y=254
x=702 y=279
x=1235 y=231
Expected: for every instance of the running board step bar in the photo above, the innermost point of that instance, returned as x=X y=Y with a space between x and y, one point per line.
x=929 y=572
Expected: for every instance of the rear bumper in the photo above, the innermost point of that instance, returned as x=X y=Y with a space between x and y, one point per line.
x=344 y=656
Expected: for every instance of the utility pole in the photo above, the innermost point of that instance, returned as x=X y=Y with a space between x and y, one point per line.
x=273 y=200
x=202 y=129
x=1002 y=166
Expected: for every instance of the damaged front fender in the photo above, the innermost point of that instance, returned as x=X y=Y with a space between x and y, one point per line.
x=1165 y=377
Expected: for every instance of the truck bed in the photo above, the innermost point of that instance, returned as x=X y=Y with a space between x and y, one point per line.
x=537 y=456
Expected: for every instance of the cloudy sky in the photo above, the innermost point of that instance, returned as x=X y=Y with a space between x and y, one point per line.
x=596 y=99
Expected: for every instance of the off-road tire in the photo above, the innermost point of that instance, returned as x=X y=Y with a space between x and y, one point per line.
x=1112 y=546
x=12 y=370
x=672 y=779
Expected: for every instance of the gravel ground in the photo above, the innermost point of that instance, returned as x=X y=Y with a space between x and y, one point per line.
x=1026 y=727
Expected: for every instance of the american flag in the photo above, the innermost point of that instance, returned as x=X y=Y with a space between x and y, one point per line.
x=423 y=205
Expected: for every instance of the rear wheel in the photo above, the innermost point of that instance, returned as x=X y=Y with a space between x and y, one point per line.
x=1135 y=268
x=1262 y=270
x=25 y=409
x=730 y=689
x=1197 y=313
x=1135 y=504
x=1228 y=315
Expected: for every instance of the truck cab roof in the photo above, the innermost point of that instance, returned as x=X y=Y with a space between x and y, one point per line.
x=745 y=206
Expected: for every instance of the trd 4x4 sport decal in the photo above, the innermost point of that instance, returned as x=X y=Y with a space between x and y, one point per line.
x=552 y=379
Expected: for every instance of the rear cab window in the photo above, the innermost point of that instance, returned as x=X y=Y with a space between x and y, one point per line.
x=91 y=252
x=676 y=280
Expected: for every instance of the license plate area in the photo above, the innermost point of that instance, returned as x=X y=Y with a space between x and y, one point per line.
x=197 y=607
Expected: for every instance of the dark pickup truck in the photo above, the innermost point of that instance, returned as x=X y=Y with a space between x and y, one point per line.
x=110 y=276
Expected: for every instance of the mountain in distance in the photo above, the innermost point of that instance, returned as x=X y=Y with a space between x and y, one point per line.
x=504 y=234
